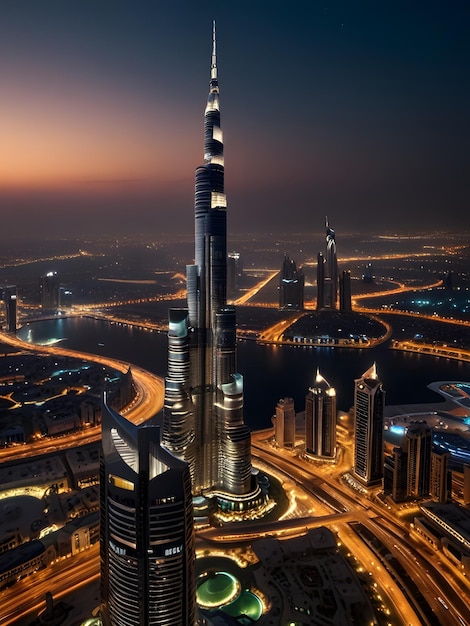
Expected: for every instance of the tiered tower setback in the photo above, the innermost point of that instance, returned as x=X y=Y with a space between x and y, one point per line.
x=203 y=421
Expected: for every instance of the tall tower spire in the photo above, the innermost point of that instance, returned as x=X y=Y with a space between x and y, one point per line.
x=203 y=419
x=214 y=59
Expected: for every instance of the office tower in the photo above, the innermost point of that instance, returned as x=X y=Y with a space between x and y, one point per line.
x=50 y=291
x=146 y=529
x=331 y=269
x=203 y=421
x=345 y=291
x=327 y=273
x=439 y=485
x=400 y=475
x=284 y=423
x=369 y=400
x=10 y=298
x=419 y=446
x=320 y=282
x=320 y=419
x=291 y=286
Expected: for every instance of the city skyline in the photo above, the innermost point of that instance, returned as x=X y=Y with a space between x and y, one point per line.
x=363 y=112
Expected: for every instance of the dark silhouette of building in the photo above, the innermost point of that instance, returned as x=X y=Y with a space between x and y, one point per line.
x=320 y=282
x=345 y=291
x=369 y=401
x=284 y=423
x=50 y=291
x=291 y=286
x=203 y=414
x=368 y=274
x=147 y=537
x=320 y=419
x=448 y=281
x=441 y=476
x=10 y=299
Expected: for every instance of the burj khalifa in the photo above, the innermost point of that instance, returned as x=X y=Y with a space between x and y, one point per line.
x=203 y=411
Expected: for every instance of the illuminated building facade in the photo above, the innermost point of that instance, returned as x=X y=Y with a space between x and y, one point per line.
x=419 y=448
x=10 y=298
x=291 y=286
x=203 y=413
x=320 y=419
x=147 y=538
x=327 y=273
x=50 y=291
x=369 y=401
x=284 y=423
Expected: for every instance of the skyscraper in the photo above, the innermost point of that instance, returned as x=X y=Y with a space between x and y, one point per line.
x=10 y=298
x=419 y=448
x=146 y=526
x=203 y=421
x=327 y=273
x=284 y=423
x=439 y=486
x=320 y=419
x=345 y=291
x=291 y=286
x=320 y=282
x=50 y=291
x=369 y=400
x=331 y=268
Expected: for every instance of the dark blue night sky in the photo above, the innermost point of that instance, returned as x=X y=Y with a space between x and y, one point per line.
x=358 y=110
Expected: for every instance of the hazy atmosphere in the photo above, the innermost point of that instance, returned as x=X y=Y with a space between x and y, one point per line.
x=357 y=110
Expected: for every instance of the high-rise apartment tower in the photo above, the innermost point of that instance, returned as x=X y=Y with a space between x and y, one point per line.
x=369 y=401
x=203 y=413
x=419 y=448
x=146 y=526
x=320 y=419
x=291 y=286
x=50 y=291
x=284 y=423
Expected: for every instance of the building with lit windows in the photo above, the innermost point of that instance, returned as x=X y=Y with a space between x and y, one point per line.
x=50 y=291
x=203 y=421
x=147 y=537
x=10 y=299
x=369 y=401
x=327 y=273
x=291 y=286
x=320 y=419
